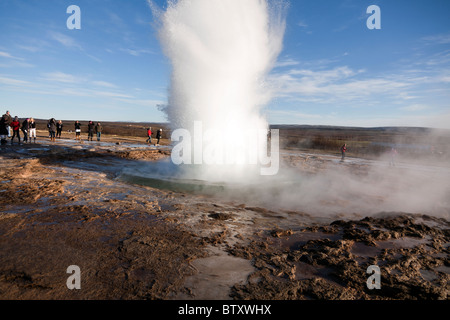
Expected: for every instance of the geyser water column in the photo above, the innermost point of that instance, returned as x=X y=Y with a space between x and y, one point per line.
x=220 y=53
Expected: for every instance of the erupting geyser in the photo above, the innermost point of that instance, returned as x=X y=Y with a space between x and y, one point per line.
x=220 y=53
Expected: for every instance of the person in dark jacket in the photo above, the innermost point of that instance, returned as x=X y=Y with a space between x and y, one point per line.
x=25 y=128
x=59 y=128
x=91 y=128
x=15 y=125
x=52 y=129
x=4 y=129
x=77 y=130
x=158 y=136
x=8 y=120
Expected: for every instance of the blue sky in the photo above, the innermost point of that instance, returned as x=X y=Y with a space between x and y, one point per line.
x=333 y=70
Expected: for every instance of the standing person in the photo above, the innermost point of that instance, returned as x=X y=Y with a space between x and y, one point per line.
x=98 y=130
x=158 y=136
x=91 y=128
x=52 y=129
x=8 y=120
x=77 y=130
x=149 y=136
x=15 y=125
x=25 y=128
x=32 y=126
x=3 y=129
x=343 y=151
x=59 y=128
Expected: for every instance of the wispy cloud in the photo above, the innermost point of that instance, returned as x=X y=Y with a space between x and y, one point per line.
x=11 y=61
x=286 y=63
x=7 y=55
x=13 y=82
x=136 y=52
x=61 y=83
x=62 y=77
x=415 y=107
x=437 y=39
x=104 y=84
x=65 y=40
x=302 y=24
x=344 y=84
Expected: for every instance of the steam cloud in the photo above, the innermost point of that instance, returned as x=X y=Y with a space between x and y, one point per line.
x=220 y=53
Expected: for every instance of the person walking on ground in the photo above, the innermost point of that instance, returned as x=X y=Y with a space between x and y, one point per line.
x=158 y=136
x=52 y=129
x=98 y=130
x=77 y=130
x=15 y=125
x=59 y=128
x=32 y=129
x=8 y=120
x=343 y=151
x=4 y=129
x=91 y=128
x=25 y=128
x=149 y=136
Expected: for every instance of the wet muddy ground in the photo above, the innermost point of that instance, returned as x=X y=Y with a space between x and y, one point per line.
x=65 y=204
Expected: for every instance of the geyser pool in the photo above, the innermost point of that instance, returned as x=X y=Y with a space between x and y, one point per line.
x=220 y=53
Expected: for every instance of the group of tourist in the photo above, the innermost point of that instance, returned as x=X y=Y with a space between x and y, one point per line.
x=10 y=128
x=92 y=128
x=149 y=136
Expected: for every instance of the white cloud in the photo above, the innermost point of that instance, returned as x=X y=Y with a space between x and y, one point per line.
x=415 y=107
x=61 y=77
x=286 y=63
x=340 y=84
x=437 y=39
x=4 y=54
x=111 y=94
x=65 y=40
x=14 y=82
x=104 y=84
x=137 y=52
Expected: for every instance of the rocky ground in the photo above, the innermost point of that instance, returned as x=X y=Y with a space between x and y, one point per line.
x=135 y=242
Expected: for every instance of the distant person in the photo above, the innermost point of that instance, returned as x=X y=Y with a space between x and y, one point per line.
x=8 y=120
x=32 y=132
x=91 y=128
x=77 y=130
x=4 y=124
x=59 y=128
x=158 y=136
x=98 y=130
x=149 y=135
x=15 y=126
x=52 y=129
x=25 y=129
x=393 y=155
x=343 y=151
